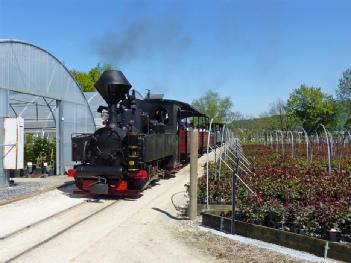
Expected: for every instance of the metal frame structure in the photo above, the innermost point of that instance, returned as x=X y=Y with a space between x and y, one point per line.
x=230 y=149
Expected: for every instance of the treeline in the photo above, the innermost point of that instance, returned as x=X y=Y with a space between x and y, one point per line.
x=261 y=123
x=86 y=80
x=307 y=108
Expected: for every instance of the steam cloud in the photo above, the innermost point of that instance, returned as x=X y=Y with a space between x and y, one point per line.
x=141 y=39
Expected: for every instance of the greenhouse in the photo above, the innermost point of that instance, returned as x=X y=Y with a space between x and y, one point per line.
x=36 y=86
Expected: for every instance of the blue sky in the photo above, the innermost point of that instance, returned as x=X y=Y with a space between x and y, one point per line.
x=253 y=51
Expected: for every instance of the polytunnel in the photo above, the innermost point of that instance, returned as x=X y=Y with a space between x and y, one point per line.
x=36 y=86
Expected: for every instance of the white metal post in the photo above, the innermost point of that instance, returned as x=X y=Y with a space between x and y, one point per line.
x=307 y=146
x=292 y=145
x=4 y=104
x=207 y=160
x=221 y=150
x=277 y=140
x=283 y=149
x=59 y=137
x=329 y=157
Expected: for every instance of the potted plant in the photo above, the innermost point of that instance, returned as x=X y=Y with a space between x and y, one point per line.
x=334 y=234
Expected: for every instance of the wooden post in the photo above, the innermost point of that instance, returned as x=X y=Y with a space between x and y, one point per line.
x=193 y=173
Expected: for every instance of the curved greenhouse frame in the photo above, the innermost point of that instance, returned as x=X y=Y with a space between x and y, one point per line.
x=35 y=85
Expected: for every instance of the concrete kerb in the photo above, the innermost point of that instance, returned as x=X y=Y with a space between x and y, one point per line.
x=279 y=237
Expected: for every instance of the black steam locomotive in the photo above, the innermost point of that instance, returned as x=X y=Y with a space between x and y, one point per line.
x=142 y=140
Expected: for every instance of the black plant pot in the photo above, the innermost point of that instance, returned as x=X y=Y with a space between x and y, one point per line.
x=294 y=228
x=277 y=225
x=345 y=238
x=302 y=231
x=239 y=216
x=333 y=236
x=256 y=222
x=347 y=230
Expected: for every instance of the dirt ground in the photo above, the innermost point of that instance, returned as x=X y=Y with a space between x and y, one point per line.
x=224 y=249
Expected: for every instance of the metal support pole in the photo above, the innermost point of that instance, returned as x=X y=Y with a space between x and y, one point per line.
x=235 y=172
x=292 y=145
x=329 y=157
x=193 y=173
x=283 y=149
x=277 y=140
x=203 y=135
x=207 y=161
x=59 y=138
x=215 y=149
x=186 y=137
x=221 y=152
x=307 y=146
x=4 y=103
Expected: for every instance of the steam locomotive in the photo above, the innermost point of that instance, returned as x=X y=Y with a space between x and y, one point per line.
x=143 y=140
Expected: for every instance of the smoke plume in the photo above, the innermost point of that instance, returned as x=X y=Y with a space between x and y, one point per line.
x=141 y=38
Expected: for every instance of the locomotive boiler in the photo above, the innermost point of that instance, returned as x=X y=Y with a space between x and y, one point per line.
x=143 y=140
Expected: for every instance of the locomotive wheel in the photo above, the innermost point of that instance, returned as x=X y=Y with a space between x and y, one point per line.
x=136 y=184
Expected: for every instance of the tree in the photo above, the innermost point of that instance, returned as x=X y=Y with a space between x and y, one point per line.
x=343 y=94
x=217 y=108
x=86 y=80
x=277 y=108
x=311 y=107
x=344 y=88
x=39 y=148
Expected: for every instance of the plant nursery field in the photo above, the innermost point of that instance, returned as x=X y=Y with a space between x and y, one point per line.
x=291 y=194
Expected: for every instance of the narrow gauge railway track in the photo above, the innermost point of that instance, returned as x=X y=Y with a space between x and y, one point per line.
x=37 y=222
x=22 y=241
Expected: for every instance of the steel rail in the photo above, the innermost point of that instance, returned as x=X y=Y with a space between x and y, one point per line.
x=26 y=251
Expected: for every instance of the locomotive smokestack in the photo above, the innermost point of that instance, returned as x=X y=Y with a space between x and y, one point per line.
x=113 y=87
